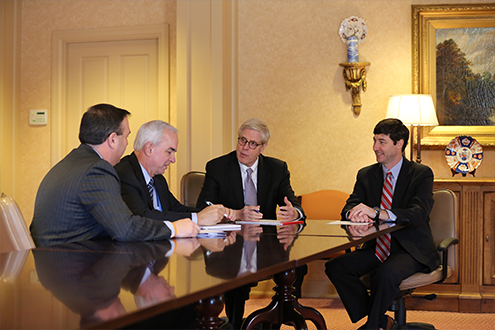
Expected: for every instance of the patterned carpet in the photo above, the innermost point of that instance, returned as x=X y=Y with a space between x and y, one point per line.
x=336 y=317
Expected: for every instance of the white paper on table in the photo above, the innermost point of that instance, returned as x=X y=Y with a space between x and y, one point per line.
x=222 y=227
x=265 y=222
x=349 y=223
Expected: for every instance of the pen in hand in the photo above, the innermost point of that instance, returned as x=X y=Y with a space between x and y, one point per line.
x=257 y=211
x=210 y=204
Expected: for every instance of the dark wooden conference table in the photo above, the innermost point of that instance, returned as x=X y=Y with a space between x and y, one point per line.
x=97 y=284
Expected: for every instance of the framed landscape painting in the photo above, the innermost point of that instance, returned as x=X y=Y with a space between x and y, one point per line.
x=454 y=61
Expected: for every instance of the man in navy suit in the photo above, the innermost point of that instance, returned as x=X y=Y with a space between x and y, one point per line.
x=79 y=198
x=408 y=187
x=225 y=183
x=155 y=146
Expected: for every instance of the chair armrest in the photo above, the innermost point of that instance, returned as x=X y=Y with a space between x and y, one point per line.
x=446 y=243
x=444 y=248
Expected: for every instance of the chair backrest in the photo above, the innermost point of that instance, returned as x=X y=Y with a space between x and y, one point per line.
x=190 y=187
x=324 y=204
x=443 y=219
x=14 y=234
x=11 y=264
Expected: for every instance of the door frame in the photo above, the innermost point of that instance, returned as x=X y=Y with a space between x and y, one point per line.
x=60 y=45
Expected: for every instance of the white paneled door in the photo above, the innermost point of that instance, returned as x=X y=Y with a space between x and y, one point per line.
x=123 y=73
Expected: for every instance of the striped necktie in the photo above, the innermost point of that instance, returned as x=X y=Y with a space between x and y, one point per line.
x=150 y=188
x=382 y=250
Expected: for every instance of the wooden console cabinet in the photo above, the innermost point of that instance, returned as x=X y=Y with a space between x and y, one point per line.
x=472 y=286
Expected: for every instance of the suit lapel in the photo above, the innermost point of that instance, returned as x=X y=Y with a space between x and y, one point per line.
x=235 y=180
x=263 y=179
x=402 y=183
x=139 y=174
x=161 y=186
x=377 y=185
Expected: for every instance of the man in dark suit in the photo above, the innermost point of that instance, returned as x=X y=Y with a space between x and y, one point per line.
x=394 y=191
x=155 y=146
x=79 y=198
x=227 y=180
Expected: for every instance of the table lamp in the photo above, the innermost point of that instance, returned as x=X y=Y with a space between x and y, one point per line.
x=415 y=110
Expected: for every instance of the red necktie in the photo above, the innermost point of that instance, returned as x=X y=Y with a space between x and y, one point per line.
x=382 y=250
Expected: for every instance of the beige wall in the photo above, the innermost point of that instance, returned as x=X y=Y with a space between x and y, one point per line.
x=289 y=75
x=39 y=19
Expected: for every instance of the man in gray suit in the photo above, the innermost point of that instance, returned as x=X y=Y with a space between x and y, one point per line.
x=79 y=199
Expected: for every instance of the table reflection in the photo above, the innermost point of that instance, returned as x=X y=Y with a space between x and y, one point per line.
x=254 y=247
x=88 y=277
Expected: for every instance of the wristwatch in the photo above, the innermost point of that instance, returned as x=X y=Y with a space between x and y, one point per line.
x=377 y=215
x=376 y=219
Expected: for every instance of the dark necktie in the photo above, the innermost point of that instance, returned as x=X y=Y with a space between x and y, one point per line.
x=382 y=250
x=150 y=188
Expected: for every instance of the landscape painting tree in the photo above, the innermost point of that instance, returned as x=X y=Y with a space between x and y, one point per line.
x=464 y=98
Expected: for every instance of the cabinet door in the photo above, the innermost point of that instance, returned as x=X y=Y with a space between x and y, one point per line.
x=489 y=238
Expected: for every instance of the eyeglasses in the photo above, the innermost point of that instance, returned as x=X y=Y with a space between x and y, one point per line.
x=252 y=144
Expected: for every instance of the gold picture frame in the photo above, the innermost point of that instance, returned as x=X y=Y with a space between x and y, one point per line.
x=425 y=20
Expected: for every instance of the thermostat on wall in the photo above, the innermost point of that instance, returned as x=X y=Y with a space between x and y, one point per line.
x=37 y=117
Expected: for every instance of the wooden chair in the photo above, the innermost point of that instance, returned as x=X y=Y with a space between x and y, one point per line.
x=14 y=234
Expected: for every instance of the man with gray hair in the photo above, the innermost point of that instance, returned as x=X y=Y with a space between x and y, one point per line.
x=253 y=185
x=143 y=187
x=79 y=198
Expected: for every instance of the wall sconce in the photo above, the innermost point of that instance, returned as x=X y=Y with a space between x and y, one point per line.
x=353 y=31
x=415 y=110
x=355 y=77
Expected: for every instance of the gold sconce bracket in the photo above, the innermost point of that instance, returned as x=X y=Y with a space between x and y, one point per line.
x=355 y=77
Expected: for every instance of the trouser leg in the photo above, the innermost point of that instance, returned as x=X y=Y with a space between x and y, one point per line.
x=385 y=282
x=345 y=272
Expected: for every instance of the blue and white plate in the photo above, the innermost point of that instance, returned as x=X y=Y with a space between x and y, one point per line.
x=464 y=154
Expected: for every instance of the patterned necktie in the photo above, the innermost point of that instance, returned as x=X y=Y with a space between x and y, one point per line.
x=150 y=188
x=382 y=250
x=250 y=196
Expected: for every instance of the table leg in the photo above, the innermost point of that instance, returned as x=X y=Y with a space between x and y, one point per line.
x=208 y=310
x=284 y=307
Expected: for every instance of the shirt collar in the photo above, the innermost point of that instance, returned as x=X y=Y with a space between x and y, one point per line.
x=147 y=177
x=95 y=150
x=394 y=170
x=254 y=167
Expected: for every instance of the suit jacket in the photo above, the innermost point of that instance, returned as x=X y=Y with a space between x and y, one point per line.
x=411 y=203
x=223 y=184
x=135 y=193
x=79 y=199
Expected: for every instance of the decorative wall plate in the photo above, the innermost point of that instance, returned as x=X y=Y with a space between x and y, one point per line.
x=464 y=154
x=353 y=26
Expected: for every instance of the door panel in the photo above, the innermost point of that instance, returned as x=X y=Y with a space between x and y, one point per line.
x=122 y=73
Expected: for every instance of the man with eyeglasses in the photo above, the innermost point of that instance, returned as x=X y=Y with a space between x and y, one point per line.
x=252 y=185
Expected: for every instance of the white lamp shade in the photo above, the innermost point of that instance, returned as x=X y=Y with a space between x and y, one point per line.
x=413 y=109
